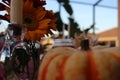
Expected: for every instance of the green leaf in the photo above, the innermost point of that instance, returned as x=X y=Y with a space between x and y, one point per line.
x=59 y=1
x=74 y=27
x=59 y=22
x=68 y=8
x=64 y=1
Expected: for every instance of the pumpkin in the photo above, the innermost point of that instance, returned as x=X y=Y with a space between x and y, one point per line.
x=65 y=63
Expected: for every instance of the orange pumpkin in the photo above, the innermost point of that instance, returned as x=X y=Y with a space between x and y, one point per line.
x=65 y=63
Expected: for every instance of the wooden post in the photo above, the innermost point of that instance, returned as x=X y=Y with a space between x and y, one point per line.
x=63 y=30
x=16 y=12
x=119 y=23
x=68 y=30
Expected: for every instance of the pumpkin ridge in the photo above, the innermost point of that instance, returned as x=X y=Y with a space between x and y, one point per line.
x=61 y=77
x=115 y=56
x=46 y=67
x=92 y=67
x=73 y=64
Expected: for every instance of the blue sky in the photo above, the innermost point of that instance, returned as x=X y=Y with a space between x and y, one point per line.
x=106 y=18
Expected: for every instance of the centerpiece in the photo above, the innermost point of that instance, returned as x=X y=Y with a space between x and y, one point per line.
x=37 y=19
x=29 y=22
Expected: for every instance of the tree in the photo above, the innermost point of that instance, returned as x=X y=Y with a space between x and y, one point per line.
x=73 y=25
x=73 y=28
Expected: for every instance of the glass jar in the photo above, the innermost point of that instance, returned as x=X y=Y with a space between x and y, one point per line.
x=63 y=43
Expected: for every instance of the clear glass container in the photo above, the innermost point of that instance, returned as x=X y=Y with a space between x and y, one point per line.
x=63 y=43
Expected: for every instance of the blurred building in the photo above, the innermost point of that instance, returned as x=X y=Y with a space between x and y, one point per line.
x=109 y=37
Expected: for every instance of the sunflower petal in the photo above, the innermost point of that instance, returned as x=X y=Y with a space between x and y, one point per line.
x=4 y=18
x=40 y=13
x=27 y=36
x=28 y=6
x=2 y=7
x=7 y=9
x=52 y=25
x=44 y=24
x=38 y=34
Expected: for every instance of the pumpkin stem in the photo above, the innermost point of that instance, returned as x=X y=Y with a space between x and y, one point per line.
x=85 y=44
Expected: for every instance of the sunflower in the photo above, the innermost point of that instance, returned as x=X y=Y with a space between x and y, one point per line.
x=38 y=20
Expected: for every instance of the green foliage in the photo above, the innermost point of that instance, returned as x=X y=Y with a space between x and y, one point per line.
x=66 y=5
x=74 y=27
x=59 y=22
x=88 y=29
x=68 y=8
x=63 y=1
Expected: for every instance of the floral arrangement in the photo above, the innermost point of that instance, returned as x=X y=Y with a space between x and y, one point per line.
x=37 y=19
x=38 y=22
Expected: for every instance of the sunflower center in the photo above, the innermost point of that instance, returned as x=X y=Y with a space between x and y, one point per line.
x=28 y=20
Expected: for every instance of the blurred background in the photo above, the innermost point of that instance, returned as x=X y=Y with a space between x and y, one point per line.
x=102 y=13
x=80 y=15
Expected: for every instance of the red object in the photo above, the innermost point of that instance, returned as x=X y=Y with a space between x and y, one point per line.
x=38 y=3
x=1 y=71
x=1 y=46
